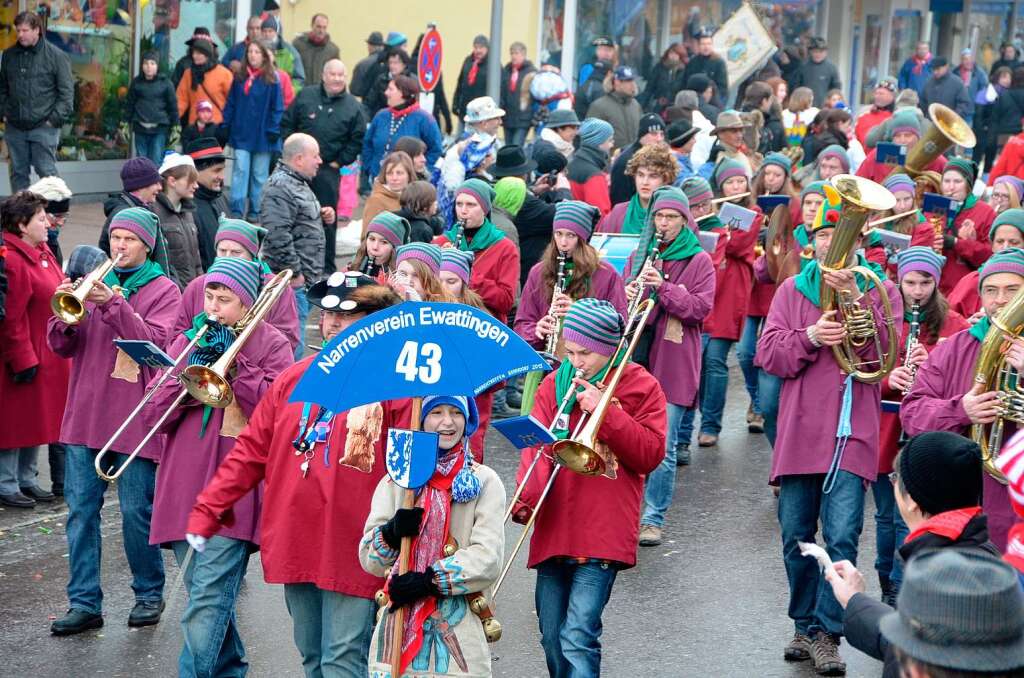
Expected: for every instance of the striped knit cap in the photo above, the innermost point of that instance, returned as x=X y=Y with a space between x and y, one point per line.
x=836 y=151
x=479 y=190
x=242 y=232
x=421 y=251
x=1010 y=217
x=594 y=132
x=816 y=187
x=726 y=169
x=899 y=182
x=576 y=216
x=241 y=276
x=922 y=260
x=669 y=198
x=594 y=324
x=965 y=167
x=458 y=262
x=1012 y=182
x=140 y=221
x=391 y=227
x=697 y=190
x=779 y=160
x=1010 y=260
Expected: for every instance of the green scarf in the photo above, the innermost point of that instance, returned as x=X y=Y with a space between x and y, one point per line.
x=636 y=216
x=981 y=328
x=801 y=235
x=145 y=274
x=970 y=202
x=563 y=382
x=909 y=316
x=710 y=223
x=808 y=280
x=486 y=235
x=684 y=246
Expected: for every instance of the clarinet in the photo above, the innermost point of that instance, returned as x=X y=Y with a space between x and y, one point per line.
x=651 y=260
x=371 y=267
x=460 y=234
x=912 y=341
x=552 y=340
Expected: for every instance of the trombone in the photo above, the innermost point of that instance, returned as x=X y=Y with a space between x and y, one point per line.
x=208 y=385
x=69 y=307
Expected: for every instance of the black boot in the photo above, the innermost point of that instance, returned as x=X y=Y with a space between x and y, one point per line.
x=76 y=621
x=889 y=591
x=146 y=613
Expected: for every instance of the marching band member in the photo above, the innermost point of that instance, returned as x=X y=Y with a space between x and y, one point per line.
x=904 y=130
x=914 y=225
x=1007 y=231
x=651 y=167
x=105 y=386
x=683 y=287
x=774 y=176
x=418 y=266
x=944 y=396
x=384 y=235
x=314 y=505
x=918 y=274
x=239 y=239
x=199 y=437
x=1007 y=193
x=461 y=507
x=796 y=346
x=586 y=530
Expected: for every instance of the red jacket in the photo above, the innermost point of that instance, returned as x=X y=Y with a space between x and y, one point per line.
x=734 y=269
x=966 y=255
x=31 y=413
x=594 y=191
x=873 y=117
x=310 y=527
x=964 y=299
x=596 y=516
x=495 y=276
x=1010 y=161
x=878 y=171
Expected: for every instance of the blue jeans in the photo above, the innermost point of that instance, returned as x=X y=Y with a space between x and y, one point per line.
x=890 y=531
x=31 y=149
x=769 y=390
x=18 y=468
x=151 y=146
x=746 y=349
x=249 y=173
x=662 y=481
x=812 y=607
x=332 y=631
x=570 y=599
x=84 y=492
x=714 y=382
x=212 y=644
x=302 y=305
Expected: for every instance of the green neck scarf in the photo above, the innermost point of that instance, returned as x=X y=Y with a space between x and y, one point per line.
x=145 y=274
x=563 y=382
x=485 y=236
x=970 y=202
x=909 y=316
x=636 y=216
x=981 y=328
x=684 y=246
x=801 y=235
x=808 y=280
x=710 y=223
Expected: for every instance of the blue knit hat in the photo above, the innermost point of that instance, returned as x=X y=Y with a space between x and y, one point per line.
x=241 y=276
x=594 y=132
x=593 y=324
x=466 y=485
x=779 y=160
x=920 y=259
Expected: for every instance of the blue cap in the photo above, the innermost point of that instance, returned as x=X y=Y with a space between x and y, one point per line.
x=396 y=39
x=625 y=73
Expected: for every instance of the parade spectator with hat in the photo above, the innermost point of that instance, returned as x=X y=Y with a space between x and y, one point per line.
x=619 y=107
x=286 y=57
x=904 y=130
x=560 y=128
x=173 y=207
x=204 y=126
x=945 y=88
x=200 y=33
x=151 y=108
x=651 y=131
x=681 y=137
x=592 y=87
x=483 y=117
x=203 y=80
x=729 y=130
x=210 y=201
x=881 y=109
x=472 y=82
x=588 y=169
x=515 y=101
x=315 y=47
x=818 y=73
x=140 y=183
x=705 y=62
x=971 y=74
x=58 y=204
x=360 y=74
x=605 y=55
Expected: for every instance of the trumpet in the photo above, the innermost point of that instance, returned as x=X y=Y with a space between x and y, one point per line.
x=69 y=307
x=208 y=385
x=912 y=341
x=552 y=341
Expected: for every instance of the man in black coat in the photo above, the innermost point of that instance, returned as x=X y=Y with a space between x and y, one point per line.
x=517 y=117
x=536 y=217
x=706 y=62
x=818 y=73
x=360 y=84
x=209 y=199
x=472 y=77
x=332 y=116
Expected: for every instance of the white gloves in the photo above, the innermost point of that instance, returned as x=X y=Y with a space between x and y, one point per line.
x=196 y=542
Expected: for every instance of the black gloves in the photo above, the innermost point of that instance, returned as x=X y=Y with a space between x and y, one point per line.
x=410 y=587
x=26 y=376
x=405 y=523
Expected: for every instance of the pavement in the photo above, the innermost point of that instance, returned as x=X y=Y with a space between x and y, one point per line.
x=710 y=602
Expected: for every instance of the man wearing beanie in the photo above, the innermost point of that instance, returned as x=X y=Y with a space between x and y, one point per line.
x=1007 y=231
x=821 y=462
x=882 y=106
x=652 y=131
x=619 y=107
x=904 y=129
x=198 y=438
x=105 y=386
x=586 y=531
x=945 y=397
x=588 y=169
x=140 y=182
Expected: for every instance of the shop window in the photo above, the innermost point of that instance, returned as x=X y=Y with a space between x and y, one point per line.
x=906 y=33
x=870 y=75
x=168 y=24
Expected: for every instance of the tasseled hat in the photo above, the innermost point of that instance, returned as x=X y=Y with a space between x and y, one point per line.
x=241 y=276
x=479 y=190
x=242 y=232
x=1010 y=260
x=466 y=486
x=922 y=260
x=593 y=324
x=421 y=251
x=391 y=227
x=139 y=221
x=576 y=216
x=458 y=262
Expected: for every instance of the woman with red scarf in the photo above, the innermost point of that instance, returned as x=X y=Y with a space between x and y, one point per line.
x=402 y=117
x=457 y=550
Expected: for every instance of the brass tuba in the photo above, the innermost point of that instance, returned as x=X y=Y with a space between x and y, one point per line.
x=859 y=197
x=992 y=371
x=947 y=129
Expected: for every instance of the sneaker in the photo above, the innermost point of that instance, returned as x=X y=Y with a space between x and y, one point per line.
x=76 y=621
x=825 y=653
x=755 y=424
x=798 y=649
x=682 y=455
x=707 y=440
x=650 y=535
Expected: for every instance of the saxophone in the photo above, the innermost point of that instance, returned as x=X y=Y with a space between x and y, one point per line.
x=552 y=341
x=912 y=341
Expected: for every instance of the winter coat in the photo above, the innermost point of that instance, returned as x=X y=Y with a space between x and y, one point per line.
x=384 y=130
x=360 y=82
x=713 y=66
x=535 y=222
x=194 y=448
x=1007 y=111
x=235 y=53
x=116 y=202
x=590 y=91
x=948 y=90
x=381 y=199
x=287 y=58
x=215 y=88
x=1010 y=160
x=661 y=87
x=310 y=526
x=191 y=133
x=465 y=92
x=516 y=116
x=773 y=133
x=182 y=238
x=106 y=384
x=868 y=119
x=209 y=206
x=816 y=143
x=422 y=228
x=622 y=112
x=32 y=411
x=503 y=220
x=36 y=86
x=295 y=230
x=151 y=105
x=495 y=276
x=622 y=186
x=336 y=122
x=587 y=178
x=819 y=77
x=314 y=56
x=976 y=82
x=908 y=79
x=964 y=297
x=254 y=119
x=734 y=278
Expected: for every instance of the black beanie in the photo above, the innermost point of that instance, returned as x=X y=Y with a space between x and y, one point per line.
x=941 y=471
x=650 y=122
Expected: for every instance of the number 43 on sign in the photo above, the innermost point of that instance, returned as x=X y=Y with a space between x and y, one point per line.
x=408 y=363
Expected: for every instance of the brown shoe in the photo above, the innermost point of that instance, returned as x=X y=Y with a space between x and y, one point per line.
x=707 y=440
x=755 y=423
x=825 y=653
x=798 y=649
x=750 y=412
x=650 y=535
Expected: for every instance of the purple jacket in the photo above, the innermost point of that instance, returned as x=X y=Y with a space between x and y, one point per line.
x=190 y=461
x=284 y=315
x=933 y=404
x=105 y=383
x=612 y=222
x=812 y=390
x=604 y=284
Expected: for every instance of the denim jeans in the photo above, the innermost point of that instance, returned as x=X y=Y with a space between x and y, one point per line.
x=212 y=644
x=812 y=607
x=302 y=305
x=714 y=382
x=151 y=145
x=662 y=481
x=570 y=598
x=746 y=349
x=84 y=492
x=516 y=136
x=769 y=389
x=890 y=531
x=332 y=631
x=18 y=468
x=249 y=173
x=31 y=149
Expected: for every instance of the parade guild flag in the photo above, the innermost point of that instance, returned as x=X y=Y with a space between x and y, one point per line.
x=744 y=43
